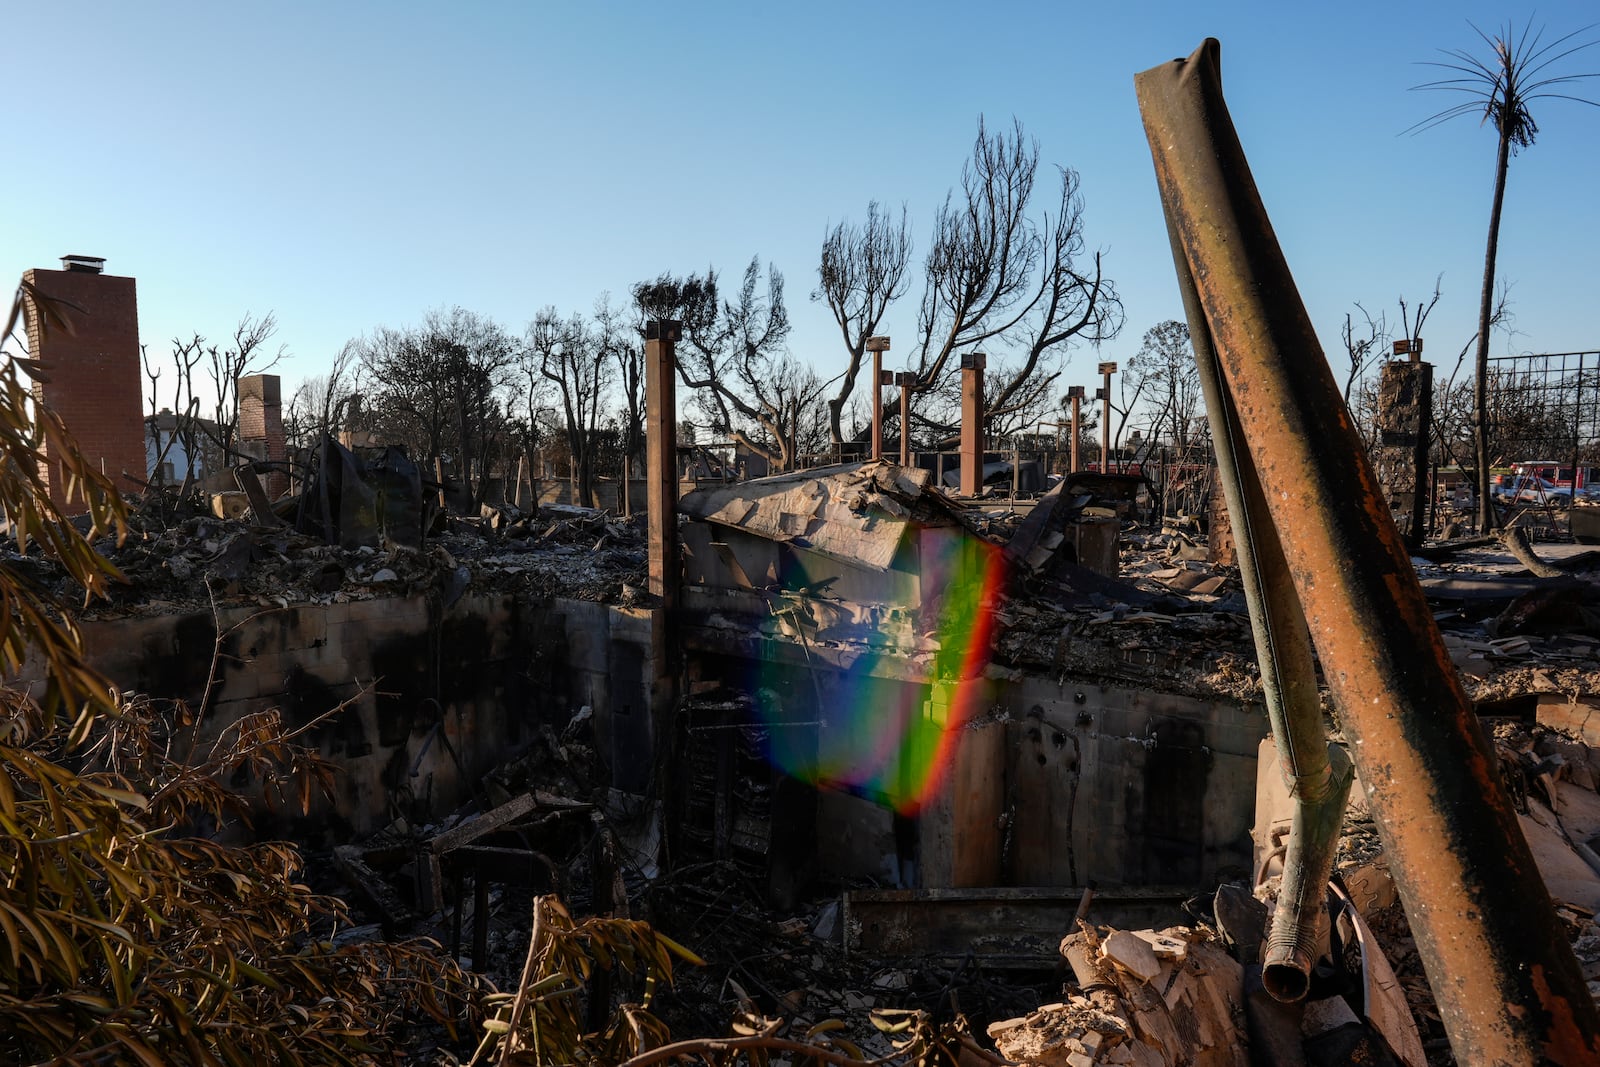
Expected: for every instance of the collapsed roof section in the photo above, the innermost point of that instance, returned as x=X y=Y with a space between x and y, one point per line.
x=858 y=551
x=873 y=553
x=859 y=513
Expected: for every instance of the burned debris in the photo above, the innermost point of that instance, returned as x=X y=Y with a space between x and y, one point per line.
x=1093 y=682
x=874 y=762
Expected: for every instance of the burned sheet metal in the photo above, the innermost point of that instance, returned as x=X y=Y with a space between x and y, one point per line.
x=351 y=500
x=1058 y=536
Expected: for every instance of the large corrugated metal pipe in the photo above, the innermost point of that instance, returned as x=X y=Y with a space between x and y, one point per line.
x=1300 y=923
x=1504 y=977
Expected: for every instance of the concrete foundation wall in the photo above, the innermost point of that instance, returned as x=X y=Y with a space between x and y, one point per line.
x=1090 y=783
x=1048 y=783
x=439 y=697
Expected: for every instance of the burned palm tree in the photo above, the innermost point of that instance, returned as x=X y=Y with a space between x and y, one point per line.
x=1500 y=89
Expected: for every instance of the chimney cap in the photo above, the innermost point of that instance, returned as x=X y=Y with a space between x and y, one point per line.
x=85 y=264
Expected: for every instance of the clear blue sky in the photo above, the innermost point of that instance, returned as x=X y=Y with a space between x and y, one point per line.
x=350 y=165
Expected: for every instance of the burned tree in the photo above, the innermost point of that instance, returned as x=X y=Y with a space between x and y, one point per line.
x=477 y=356
x=321 y=403
x=1500 y=90
x=441 y=390
x=863 y=271
x=1364 y=347
x=207 y=444
x=1000 y=277
x=407 y=406
x=1175 y=422
x=1174 y=382
x=570 y=356
x=747 y=384
x=228 y=363
x=175 y=432
x=621 y=340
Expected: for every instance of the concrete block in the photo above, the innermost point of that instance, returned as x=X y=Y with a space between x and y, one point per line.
x=1577 y=717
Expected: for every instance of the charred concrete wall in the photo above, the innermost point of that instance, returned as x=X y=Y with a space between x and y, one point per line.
x=1050 y=782
x=1091 y=783
x=439 y=697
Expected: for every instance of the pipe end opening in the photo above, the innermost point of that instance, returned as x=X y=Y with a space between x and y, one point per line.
x=1285 y=982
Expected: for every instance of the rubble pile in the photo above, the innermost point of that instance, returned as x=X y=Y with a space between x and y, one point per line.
x=1173 y=622
x=1176 y=559
x=1180 y=624
x=176 y=561
x=1148 y=999
x=1551 y=776
x=756 y=963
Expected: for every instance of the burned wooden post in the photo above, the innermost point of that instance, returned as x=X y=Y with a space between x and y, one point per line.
x=877 y=346
x=522 y=495
x=661 y=456
x=1106 y=371
x=1075 y=396
x=905 y=380
x=1405 y=412
x=972 y=364
x=661 y=503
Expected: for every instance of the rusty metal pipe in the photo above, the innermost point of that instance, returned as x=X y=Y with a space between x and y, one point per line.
x=1300 y=922
x=1317 y=774
x=1508 y=988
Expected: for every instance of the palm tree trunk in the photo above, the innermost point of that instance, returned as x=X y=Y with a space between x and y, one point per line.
x=1480 y=388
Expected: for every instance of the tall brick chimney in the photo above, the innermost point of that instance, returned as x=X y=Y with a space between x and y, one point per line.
x=972 y=365
x=93 y=370
x=261 y=426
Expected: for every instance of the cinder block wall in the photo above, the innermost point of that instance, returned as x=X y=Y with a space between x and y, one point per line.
x=437 y=700
x=94 y=377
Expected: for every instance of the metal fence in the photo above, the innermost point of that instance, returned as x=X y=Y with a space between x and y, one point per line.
x=1545 y=408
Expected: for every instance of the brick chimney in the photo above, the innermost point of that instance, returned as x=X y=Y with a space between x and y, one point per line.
x=972 y=365
x=93 y=370
x=261 y=426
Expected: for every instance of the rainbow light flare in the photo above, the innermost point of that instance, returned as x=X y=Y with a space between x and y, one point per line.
x=887 y=736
